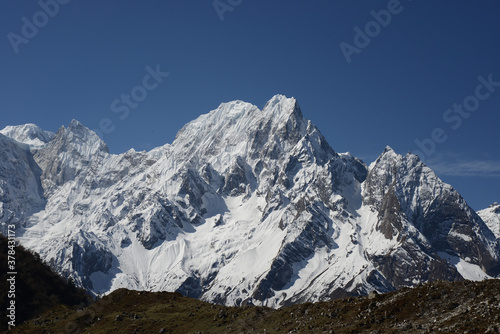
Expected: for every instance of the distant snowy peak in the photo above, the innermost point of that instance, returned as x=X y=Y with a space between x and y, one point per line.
x=280 y=107
x=381 y=176
x=413 y=203
x=29 y=134
x=84 y=140
x=71 y=152
x=491 y=216
x=394 y=170
x=77 y=139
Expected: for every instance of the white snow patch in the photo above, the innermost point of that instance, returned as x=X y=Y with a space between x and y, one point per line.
x=468 y=270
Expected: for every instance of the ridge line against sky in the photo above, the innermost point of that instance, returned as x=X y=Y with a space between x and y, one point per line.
x=368 y=74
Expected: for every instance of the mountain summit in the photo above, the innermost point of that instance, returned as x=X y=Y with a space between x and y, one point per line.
x=246 y=206
x=29 y=134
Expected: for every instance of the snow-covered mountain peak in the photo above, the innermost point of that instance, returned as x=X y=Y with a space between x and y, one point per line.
x=280 y=98
x=280 y=104
x=82 y=140
x=389 y=161
x=283 y=110
x=230 y=111
x=388 y=149
x=388 y=153
x=29 y=134
x=241 y=129
x=68 y=154
x=386 y=162
x=401 y=175
x=238 y=116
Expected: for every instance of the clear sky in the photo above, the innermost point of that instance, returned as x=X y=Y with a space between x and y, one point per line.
x=367 y=73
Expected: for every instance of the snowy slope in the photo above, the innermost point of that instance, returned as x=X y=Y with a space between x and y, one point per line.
x=491 y=217
x=28 y=134
x=246 y=206
x=21 y=192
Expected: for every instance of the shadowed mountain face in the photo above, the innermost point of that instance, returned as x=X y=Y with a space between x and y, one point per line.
x=246 y=206
x=37 y=288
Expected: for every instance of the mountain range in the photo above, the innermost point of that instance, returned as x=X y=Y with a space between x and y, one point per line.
x=246 y=206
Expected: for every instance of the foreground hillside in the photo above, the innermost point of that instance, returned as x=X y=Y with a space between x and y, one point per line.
x=458 y=307
x=37 y=288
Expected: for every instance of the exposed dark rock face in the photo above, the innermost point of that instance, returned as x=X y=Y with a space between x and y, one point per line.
x=428 y=217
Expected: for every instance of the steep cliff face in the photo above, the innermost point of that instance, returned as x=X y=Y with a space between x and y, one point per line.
x=21 y=193
x=246 y=206
x=432 y=222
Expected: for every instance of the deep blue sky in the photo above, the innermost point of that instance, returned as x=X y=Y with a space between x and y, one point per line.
x=394 y=91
